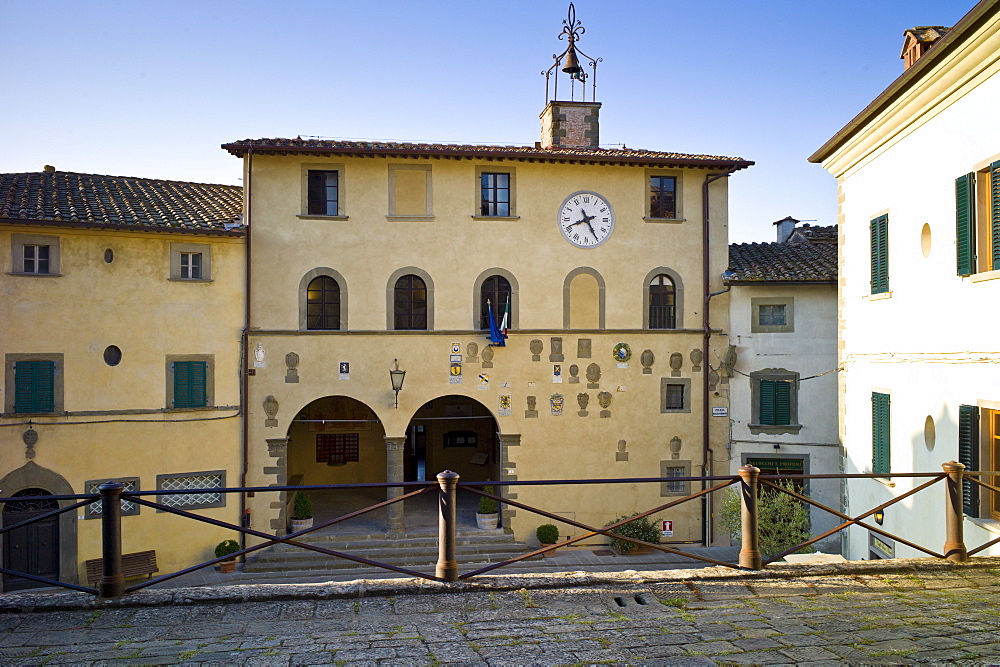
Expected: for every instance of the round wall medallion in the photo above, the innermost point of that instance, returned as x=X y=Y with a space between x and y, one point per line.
x=112 y=355
x=622 y=352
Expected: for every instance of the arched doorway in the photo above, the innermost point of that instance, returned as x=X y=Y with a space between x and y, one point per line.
x=338 y=440
x=32 y=549
x=454 y=433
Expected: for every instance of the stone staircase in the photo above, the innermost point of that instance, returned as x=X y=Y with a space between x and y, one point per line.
x=474 y=548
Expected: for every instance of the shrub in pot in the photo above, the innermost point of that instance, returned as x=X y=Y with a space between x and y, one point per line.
x=224 y=548
x=487 y=516
x=302 y=514
x=547 y=533
x=638 y=529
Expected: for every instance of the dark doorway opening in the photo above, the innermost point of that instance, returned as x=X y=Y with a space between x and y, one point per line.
x=33 y=549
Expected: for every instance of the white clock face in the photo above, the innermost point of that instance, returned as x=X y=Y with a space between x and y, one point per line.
x=586 y=219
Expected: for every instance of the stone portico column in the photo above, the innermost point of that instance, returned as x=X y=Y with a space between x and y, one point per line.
x=394 y=473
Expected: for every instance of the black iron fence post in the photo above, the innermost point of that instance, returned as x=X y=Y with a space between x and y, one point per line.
x=112 y=584
x=749 y=551
x=954 y=543
x=447 y=566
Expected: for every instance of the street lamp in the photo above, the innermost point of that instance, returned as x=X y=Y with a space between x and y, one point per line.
x=396 y=377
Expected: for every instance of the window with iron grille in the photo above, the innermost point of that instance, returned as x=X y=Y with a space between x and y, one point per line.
x=215 y=479
x=662 y=197
x=662 y=303
x=674 y=468
x=323 y=304
x=410 y=303
x=495 y=194
x=129 y=508
x=324 y=193
x=675 y=397
x=337 y=447
x=771 y=315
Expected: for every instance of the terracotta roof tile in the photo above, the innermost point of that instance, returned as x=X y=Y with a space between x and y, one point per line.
x=67 y=198
x=782 y=262
x=608 y=155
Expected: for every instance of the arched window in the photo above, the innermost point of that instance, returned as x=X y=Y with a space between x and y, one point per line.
x=410 y=303
x=662 y=303
x=323 y=304
x=496 y=290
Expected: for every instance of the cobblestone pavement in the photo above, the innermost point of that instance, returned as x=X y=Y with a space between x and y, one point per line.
x=889 y=612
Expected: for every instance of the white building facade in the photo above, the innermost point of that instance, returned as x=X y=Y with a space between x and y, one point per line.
x=918 y=176
x=783 y=385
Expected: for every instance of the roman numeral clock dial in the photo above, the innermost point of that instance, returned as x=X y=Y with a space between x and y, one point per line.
x=586 y=219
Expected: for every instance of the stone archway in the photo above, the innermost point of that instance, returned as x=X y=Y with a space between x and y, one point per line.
x=33 y=476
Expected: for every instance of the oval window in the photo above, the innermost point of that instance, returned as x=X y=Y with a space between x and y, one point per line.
x=109 y=256
x=112 y=355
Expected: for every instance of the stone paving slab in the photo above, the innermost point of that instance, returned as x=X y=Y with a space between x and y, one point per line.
x=871 y=614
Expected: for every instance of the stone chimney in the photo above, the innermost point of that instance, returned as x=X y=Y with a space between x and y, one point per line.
x=916 y=42
x=785 y=228
x=571 y=125
x=48 y=169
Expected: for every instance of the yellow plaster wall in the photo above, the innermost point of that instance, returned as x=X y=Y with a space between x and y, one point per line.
x=454 y=249
x=129 y=303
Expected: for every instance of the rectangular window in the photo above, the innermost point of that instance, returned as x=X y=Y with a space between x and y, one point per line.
x=34 y=386
x=190 y=379
x=977 y=219
x=674 y=468
x=215 y=479
x=880 y=433
x=94 y=510
x=191 y=265
x=35 y=254
x=675 y=397
x=191 y=261
x=775 y=403
x=968 y=455
x=324 y=193
x=36 y=259
x=879 y=229
x=337 y=448
x=662 y=197
x=495 y=195
x=771 y=315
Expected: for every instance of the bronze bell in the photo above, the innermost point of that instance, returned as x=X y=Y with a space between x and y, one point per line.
x=572 y=65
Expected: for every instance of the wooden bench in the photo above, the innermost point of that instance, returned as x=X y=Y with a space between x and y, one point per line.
x=133 y=565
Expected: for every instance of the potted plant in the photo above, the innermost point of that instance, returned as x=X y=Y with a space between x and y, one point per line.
x=638 y=529
x=487 y=516
x=224 y=548
x=547 y=535
x=302 y=512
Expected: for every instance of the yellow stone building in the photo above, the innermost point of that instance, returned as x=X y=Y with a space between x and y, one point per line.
x=120 y=327
x=368 y=254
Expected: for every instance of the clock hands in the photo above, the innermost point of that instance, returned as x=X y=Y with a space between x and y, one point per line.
x=587 y=219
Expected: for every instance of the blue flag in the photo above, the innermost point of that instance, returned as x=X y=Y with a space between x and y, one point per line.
x=497 y=339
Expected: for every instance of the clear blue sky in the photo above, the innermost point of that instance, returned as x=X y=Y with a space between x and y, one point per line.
x=153 y=88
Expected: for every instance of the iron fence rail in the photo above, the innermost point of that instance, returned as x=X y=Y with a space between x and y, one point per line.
x=748 y=481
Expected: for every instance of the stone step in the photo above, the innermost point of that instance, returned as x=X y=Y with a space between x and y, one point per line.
x=347 y=542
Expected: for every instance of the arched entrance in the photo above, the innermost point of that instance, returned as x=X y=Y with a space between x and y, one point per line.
x=454 y=433
x=24 y=482
x=338 y=440
x=32 y=549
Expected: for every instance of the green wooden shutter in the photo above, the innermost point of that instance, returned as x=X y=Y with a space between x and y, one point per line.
x=965 y=223
x=995 y=215
x=34 y=386
x=190 y=384
x=880 y=254
x=880 y=433
x=775 y=403
x=968 y=455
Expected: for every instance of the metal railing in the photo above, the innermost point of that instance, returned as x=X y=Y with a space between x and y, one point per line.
x=749 y=481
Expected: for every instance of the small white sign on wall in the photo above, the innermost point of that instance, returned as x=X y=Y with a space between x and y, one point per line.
x=720 y=412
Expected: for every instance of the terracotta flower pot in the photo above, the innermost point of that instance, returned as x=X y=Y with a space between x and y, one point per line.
x=487 y=521
x=227 y=566
x=548 y=553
